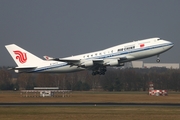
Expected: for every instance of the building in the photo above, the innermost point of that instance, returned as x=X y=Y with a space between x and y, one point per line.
x=137 y=64
x=165 y=65
x=45 y=92
x=140 y=64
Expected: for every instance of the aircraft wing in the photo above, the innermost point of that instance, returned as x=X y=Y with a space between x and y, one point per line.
x=91 y=63
x=77 y=62
x=69 y=61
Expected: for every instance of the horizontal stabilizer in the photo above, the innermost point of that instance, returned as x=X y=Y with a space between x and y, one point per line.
x=23 y=68
x=48 y=58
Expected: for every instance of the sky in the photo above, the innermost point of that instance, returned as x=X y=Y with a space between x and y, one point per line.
x=62 y=28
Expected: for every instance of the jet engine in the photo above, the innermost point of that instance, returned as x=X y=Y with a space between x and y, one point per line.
x=114 y=62
x=87 y=63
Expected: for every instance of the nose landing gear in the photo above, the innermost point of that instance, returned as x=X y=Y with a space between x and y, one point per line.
x=158 y=59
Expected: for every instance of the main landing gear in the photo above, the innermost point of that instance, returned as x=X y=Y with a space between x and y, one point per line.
x=101 y=71
x=158 y=59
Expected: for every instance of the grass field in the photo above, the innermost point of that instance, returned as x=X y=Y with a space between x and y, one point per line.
x=91 y=112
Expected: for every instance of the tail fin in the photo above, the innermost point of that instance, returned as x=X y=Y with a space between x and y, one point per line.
x=22 y=57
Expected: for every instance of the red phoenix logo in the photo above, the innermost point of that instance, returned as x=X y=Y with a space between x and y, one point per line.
x=20 y=56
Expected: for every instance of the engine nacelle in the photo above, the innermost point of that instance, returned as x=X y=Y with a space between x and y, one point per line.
x=87 y=63
x=114 y=62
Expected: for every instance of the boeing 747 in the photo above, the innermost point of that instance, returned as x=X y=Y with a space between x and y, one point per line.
x=96 y=61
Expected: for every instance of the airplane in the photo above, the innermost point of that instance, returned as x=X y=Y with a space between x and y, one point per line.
x=97 y=61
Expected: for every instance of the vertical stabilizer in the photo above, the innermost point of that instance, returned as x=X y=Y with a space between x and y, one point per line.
x=23 y=57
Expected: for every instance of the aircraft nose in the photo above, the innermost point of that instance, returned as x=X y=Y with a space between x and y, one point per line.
x=170 y=44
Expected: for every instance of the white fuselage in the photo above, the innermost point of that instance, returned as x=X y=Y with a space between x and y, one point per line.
x=125 y=52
